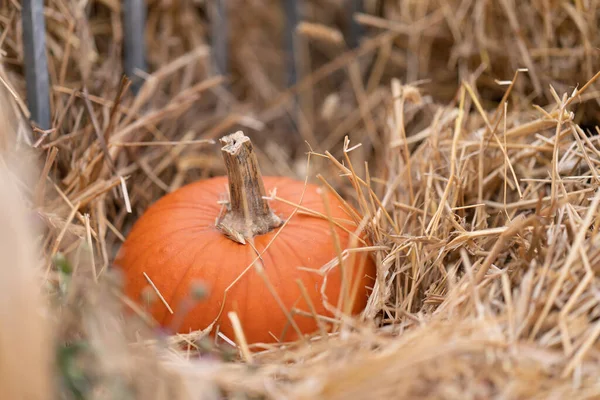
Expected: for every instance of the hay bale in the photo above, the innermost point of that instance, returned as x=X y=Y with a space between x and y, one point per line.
x=477 y=181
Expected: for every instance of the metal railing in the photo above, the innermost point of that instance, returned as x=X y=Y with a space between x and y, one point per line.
x=134 y=51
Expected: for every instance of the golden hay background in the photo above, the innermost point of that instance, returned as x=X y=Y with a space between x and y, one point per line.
x=484 y=217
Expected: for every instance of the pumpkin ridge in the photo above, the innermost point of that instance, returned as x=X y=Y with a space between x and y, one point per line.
x=185 y=274
x=188 y=205
x=309 y=200
x=264 y=316
x=144 y=264
x=140 y=267
x=291 y=249
x=248 y=290
x=141 y=235
x=317 y=270
x=307 y=226
x=319 y=203
x=282 y=247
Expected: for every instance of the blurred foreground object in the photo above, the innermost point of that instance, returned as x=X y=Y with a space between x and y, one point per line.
x=25 y=343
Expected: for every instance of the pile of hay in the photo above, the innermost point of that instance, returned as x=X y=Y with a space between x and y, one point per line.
x=476 y=171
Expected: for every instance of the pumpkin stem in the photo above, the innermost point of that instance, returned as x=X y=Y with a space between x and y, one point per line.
x=248 y=214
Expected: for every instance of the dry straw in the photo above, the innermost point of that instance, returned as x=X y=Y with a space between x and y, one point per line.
x=462 y=131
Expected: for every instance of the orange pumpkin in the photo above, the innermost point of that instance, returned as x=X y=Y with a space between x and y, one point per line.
x=190 y=236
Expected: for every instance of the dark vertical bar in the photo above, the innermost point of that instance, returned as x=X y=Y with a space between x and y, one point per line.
x=220 y=37
x=134 y=43
x=291 y=19
x=36 y=63
x=355 y=30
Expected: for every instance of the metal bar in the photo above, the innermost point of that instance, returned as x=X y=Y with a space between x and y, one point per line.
x=355 y=30
x=134 y=42
x=290 y=9
x=36 y=62
x=220 y=37
x=291 y=17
